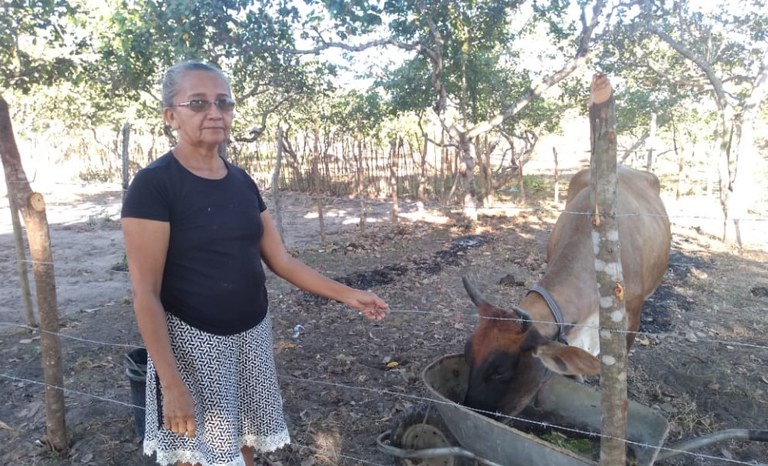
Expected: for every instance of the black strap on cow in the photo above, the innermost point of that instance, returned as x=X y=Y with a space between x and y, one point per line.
x=557 y=313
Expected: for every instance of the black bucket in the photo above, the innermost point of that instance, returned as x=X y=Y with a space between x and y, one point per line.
x=136 y=370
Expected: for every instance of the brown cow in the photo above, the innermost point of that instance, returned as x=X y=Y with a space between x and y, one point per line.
x=510 y=352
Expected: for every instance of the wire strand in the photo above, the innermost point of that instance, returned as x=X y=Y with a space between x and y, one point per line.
x=409 y=311
x=380 y=391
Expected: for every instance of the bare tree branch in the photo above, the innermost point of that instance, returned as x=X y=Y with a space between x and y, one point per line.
x=588 y=29
x=717 y=84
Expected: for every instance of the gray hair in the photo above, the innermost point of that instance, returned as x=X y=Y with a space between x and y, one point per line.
x=172 y=78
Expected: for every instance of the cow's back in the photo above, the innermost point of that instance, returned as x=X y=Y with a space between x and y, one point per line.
x=644 y=235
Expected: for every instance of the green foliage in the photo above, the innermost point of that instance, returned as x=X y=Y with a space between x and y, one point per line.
x=534 y=183
x=34 y=45
x=253 y=42
x=73 y=65
x=408 y=87
x=145 y=37
x=726 y=42
x=576 y=445
x=91 y=175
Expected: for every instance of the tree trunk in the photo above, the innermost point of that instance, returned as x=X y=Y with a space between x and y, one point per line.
x=315 y=164
x=393 y=167
x=679 y=147
x=423 y=177
x=519 y=162
x=321 y=219
x=651 y=142
x=126 y=157
x=21 y=264
x=467 y=172
x=724 y=139
x=557 y=176
x=362 y=174
x=613 y=316
x=32 y=208
x=490 y=190
x=445 y=171
x=748 y=161
x=276 y=183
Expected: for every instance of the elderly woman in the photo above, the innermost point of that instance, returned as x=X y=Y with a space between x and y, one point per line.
x=196 y=232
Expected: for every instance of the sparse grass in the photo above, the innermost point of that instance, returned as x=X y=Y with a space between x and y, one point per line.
x=121 y=266
x=689 y=418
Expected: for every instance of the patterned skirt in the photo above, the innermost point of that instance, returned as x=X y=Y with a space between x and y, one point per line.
x=237 y=399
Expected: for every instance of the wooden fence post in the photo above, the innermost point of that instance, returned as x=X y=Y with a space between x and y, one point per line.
x=21 y=263
x=394 y=149
x=126 y=157
x=276 y=182
x=610 y=277
x=557 y=177
x=651 y=143
x=32 y=208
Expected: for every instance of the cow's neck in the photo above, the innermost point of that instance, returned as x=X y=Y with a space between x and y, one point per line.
x=571 y=282
x=554 y=308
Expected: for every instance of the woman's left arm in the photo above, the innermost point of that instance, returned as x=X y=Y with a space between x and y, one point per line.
x=289 y=268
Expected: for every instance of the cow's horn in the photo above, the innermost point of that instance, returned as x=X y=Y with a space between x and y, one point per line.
x=525 y=318
x=471 y=291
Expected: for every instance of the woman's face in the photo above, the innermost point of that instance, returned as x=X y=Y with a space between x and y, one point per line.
x=204 y=129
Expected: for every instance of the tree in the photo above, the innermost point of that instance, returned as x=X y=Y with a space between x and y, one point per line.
x=29 y=32
x=27 y=29
x=720 y=52
x=464 y=56
x=251 y=41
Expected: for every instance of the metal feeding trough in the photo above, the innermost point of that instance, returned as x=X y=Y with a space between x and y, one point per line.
x=446 y=433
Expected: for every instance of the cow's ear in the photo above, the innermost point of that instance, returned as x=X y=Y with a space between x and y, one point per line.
x=486 y=309
x=567 y=360
x=468 y=350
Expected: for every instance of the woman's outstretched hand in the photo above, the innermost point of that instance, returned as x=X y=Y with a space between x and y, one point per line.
x=369 y=304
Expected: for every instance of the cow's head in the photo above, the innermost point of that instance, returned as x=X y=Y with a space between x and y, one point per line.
x=509 y=359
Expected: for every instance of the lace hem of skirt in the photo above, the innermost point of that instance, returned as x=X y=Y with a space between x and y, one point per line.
x=267 y=444
x=258 y=443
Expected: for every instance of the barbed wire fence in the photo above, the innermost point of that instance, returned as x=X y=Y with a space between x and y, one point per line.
x=384 y=392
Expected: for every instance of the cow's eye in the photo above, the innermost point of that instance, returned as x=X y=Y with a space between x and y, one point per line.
x=499 y=374
x=503 y=372
x=500 y=367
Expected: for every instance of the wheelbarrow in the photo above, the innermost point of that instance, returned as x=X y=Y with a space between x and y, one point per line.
x=445 y=433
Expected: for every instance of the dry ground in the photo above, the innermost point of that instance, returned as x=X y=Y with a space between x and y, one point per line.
x=702 y=362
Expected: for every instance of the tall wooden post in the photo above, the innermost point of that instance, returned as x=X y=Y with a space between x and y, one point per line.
x=651 y=143
x=393 y=184
x=126 y=157
x=276 y=183
x=32 y=207
x=610 y=277
x=557 y=177
x=21 y=263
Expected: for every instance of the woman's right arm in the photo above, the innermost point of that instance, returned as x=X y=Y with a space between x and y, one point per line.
x=146 y=246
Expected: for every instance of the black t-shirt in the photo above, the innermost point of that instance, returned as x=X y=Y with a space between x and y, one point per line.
x=213 y=278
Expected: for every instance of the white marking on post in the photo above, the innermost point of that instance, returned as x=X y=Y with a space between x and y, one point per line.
x=599 y=265
x=596 y=241
x=613 y=269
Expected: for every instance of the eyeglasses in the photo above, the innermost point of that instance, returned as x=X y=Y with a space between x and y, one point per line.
x=224 y=104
